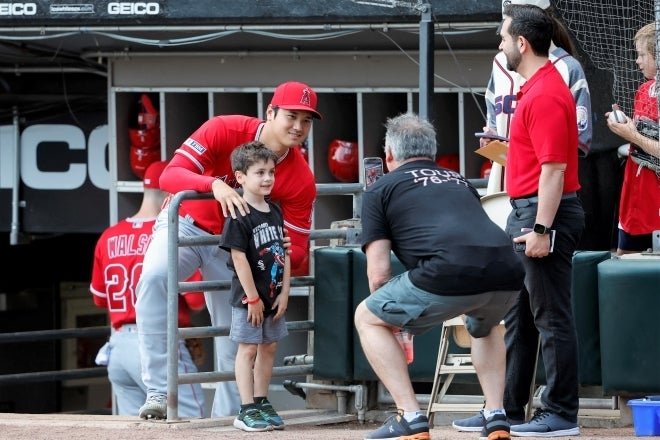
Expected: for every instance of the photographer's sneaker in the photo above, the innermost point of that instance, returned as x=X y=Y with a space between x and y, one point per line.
x=476 y=423
x=154 y=408
x=545 y=423
x=496 y=428
x=397 y=428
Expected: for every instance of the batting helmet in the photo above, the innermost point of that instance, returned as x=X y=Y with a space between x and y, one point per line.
x=450 y=161
x=146 y=134
x=343 y=160
x=485 y=169
x=141 y=158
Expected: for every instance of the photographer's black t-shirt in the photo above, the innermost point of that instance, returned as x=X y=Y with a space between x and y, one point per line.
x=439 y=231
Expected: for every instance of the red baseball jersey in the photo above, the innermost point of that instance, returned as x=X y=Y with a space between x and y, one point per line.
x=205 y=156
x=117 y=267
x=639 y=208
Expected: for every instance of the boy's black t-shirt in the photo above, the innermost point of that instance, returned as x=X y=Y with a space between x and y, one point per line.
x=261 y=236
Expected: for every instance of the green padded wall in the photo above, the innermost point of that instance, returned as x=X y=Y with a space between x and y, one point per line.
x=584 y=297
x=333 y=313
x=629 y=318
x=584 y=300
x=426 y=346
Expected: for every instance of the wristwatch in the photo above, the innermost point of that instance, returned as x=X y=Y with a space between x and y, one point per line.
x=541 y=229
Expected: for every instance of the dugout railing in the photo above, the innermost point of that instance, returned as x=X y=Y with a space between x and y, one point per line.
x=174 y=287
x=349 y=236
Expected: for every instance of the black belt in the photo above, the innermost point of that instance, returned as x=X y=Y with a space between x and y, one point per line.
x=523 y=202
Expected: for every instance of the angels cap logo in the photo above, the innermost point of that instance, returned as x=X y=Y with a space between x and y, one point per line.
x=295 y=96
x=305 y=99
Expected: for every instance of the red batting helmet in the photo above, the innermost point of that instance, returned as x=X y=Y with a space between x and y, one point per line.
x=145 y=137
x=146 y=134
x=450 y=161
x=141 y=158
x=485 y=169
x=343 y=160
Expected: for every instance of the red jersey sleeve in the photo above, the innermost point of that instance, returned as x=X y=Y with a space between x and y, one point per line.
x=204 y=157
x=195 y=300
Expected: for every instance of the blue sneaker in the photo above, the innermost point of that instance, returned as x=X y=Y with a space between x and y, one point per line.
x=474 y=423
x=251 y=420
x=545 y=423
x=269 y=414
x=397 y=428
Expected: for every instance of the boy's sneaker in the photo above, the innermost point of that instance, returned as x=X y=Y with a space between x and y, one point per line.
x=269 y=414
x=154 y=408
x=477 y=422
x=396 y=427
x=545 y=423
x=251 y=420
x=496 y=428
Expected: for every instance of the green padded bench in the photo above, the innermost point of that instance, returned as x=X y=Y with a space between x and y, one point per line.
x=426 y=346
x=584 y=297
x=629 y=317
x=340 y=285
x=333 y=313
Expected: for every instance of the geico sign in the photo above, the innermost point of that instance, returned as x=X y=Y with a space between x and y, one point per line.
x=133 y=8
x=18 y=8
x=35 y=139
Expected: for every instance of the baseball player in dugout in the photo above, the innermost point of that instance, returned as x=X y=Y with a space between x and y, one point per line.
x=117 y=265
x=202 y=163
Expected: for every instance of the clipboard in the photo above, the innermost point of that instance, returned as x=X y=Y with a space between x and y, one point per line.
x=495 y=151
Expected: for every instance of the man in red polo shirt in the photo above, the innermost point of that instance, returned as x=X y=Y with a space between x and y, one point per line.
x=546 y=222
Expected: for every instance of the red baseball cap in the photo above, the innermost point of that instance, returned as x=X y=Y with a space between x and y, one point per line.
x=295 y=96
x=152 y=174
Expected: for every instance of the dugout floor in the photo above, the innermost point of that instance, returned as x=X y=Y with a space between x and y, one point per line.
x=301 y=424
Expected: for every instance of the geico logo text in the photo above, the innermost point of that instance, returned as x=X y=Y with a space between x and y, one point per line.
x=35 y=140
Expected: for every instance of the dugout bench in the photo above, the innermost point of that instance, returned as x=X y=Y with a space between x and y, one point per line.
x=616 y=304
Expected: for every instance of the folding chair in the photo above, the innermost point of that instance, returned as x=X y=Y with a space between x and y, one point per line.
x=451 y=364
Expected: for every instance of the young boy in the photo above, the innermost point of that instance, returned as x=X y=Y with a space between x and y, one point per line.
x=639 y=203
x=260 y=285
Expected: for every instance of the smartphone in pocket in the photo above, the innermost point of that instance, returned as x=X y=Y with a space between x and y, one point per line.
x=373 y=170
x=526 y=230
